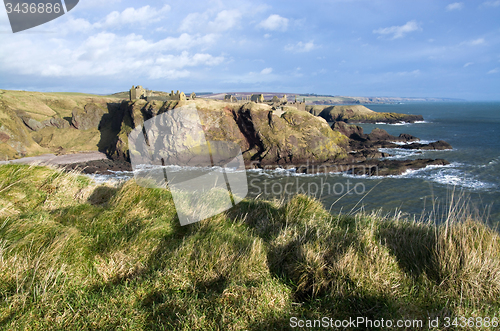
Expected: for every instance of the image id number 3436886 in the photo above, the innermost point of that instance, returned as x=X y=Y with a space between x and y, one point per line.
x=478 y=322
x=33 y=8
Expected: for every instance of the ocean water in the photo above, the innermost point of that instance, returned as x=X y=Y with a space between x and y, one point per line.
x=472 y=128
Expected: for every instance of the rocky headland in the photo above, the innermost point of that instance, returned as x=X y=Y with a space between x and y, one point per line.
x=360 y=114
x=37 y=123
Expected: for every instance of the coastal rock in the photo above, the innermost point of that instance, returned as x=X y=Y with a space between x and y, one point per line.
x=351 y=131
x=360 y=114
x=391 y=167
x=87 y=118
x=100 y=166
x=372 y=167
x=56 y=122
x=378 y=138
x=438 y=145
x=263 y=136
x=31 y=123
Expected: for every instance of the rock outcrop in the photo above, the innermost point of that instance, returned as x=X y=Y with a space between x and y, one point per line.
x=263 y=136
x=35 y=125
x=87 y=118
x=56 y=122
x=359 y=114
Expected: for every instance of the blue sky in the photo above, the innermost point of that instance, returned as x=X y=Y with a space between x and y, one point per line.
x=338 y=47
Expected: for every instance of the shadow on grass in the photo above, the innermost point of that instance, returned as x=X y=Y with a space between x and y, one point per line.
x=413 y=247
x=102 y=195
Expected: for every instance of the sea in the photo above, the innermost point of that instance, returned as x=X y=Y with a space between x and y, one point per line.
x=472 y=178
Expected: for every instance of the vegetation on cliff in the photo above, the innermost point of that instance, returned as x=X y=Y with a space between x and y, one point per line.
x=77 y=255
x=34 y=123
x=359 y=114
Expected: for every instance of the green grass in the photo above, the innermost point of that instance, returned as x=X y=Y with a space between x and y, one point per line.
x=75 y=255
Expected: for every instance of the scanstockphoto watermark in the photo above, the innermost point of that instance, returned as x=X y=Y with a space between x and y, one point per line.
x=319 y=187
x=361 y=322
x=323 y=180
x=26 y=14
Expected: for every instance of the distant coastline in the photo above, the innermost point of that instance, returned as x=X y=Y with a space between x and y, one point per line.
x=317 y=99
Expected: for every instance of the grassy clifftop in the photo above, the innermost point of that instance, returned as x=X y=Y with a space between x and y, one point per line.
x=76 y=255
x=33 y=123
x=17 y=139
x=359 y=114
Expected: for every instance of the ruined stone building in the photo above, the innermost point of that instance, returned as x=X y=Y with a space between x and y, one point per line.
x=179 y=96
x=258 y=98
x=230 y=98
x=138 y=92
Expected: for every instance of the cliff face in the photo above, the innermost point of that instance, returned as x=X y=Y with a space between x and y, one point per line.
x=359 y=114
x=265 y=135
x=34 y=123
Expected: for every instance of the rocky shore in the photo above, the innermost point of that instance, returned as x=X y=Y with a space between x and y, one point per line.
x=269 y=135
x=364 y=158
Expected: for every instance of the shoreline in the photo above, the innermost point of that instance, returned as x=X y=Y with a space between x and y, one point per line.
x=99 y=163
x=63 y=159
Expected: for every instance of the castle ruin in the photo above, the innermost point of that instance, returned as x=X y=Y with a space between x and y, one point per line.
x=138 y=92
x=230 y=98
x=258 y=98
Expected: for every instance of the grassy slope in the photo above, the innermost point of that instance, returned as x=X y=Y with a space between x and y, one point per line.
x=43 y=106
x=75 y=255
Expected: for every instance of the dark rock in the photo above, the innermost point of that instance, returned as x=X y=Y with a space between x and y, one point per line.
x=407 y=137
x=372 y=167
x=87 y=118
x=351 y=131
x=438 y=145
x=392 y=167
x=100 y=166
x=379 y=134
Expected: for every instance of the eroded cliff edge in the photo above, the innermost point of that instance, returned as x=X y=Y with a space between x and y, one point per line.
x=265 y=135
x=35 y=123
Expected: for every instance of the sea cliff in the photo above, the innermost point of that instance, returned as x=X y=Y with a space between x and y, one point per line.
x=35 y=123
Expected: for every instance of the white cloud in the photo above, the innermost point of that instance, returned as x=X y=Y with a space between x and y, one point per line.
x=301 y=47
x=274 y=23
x=492 y=3
x=468 y=64
x=409 y=73
x=266 y=71
x=142 y=16
x=105 y=55
x=193 y=21
x=225 y=20
x=475 y=42
x=96 y=3
x=399 y=31
x=455 y=6
x=494 y=71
